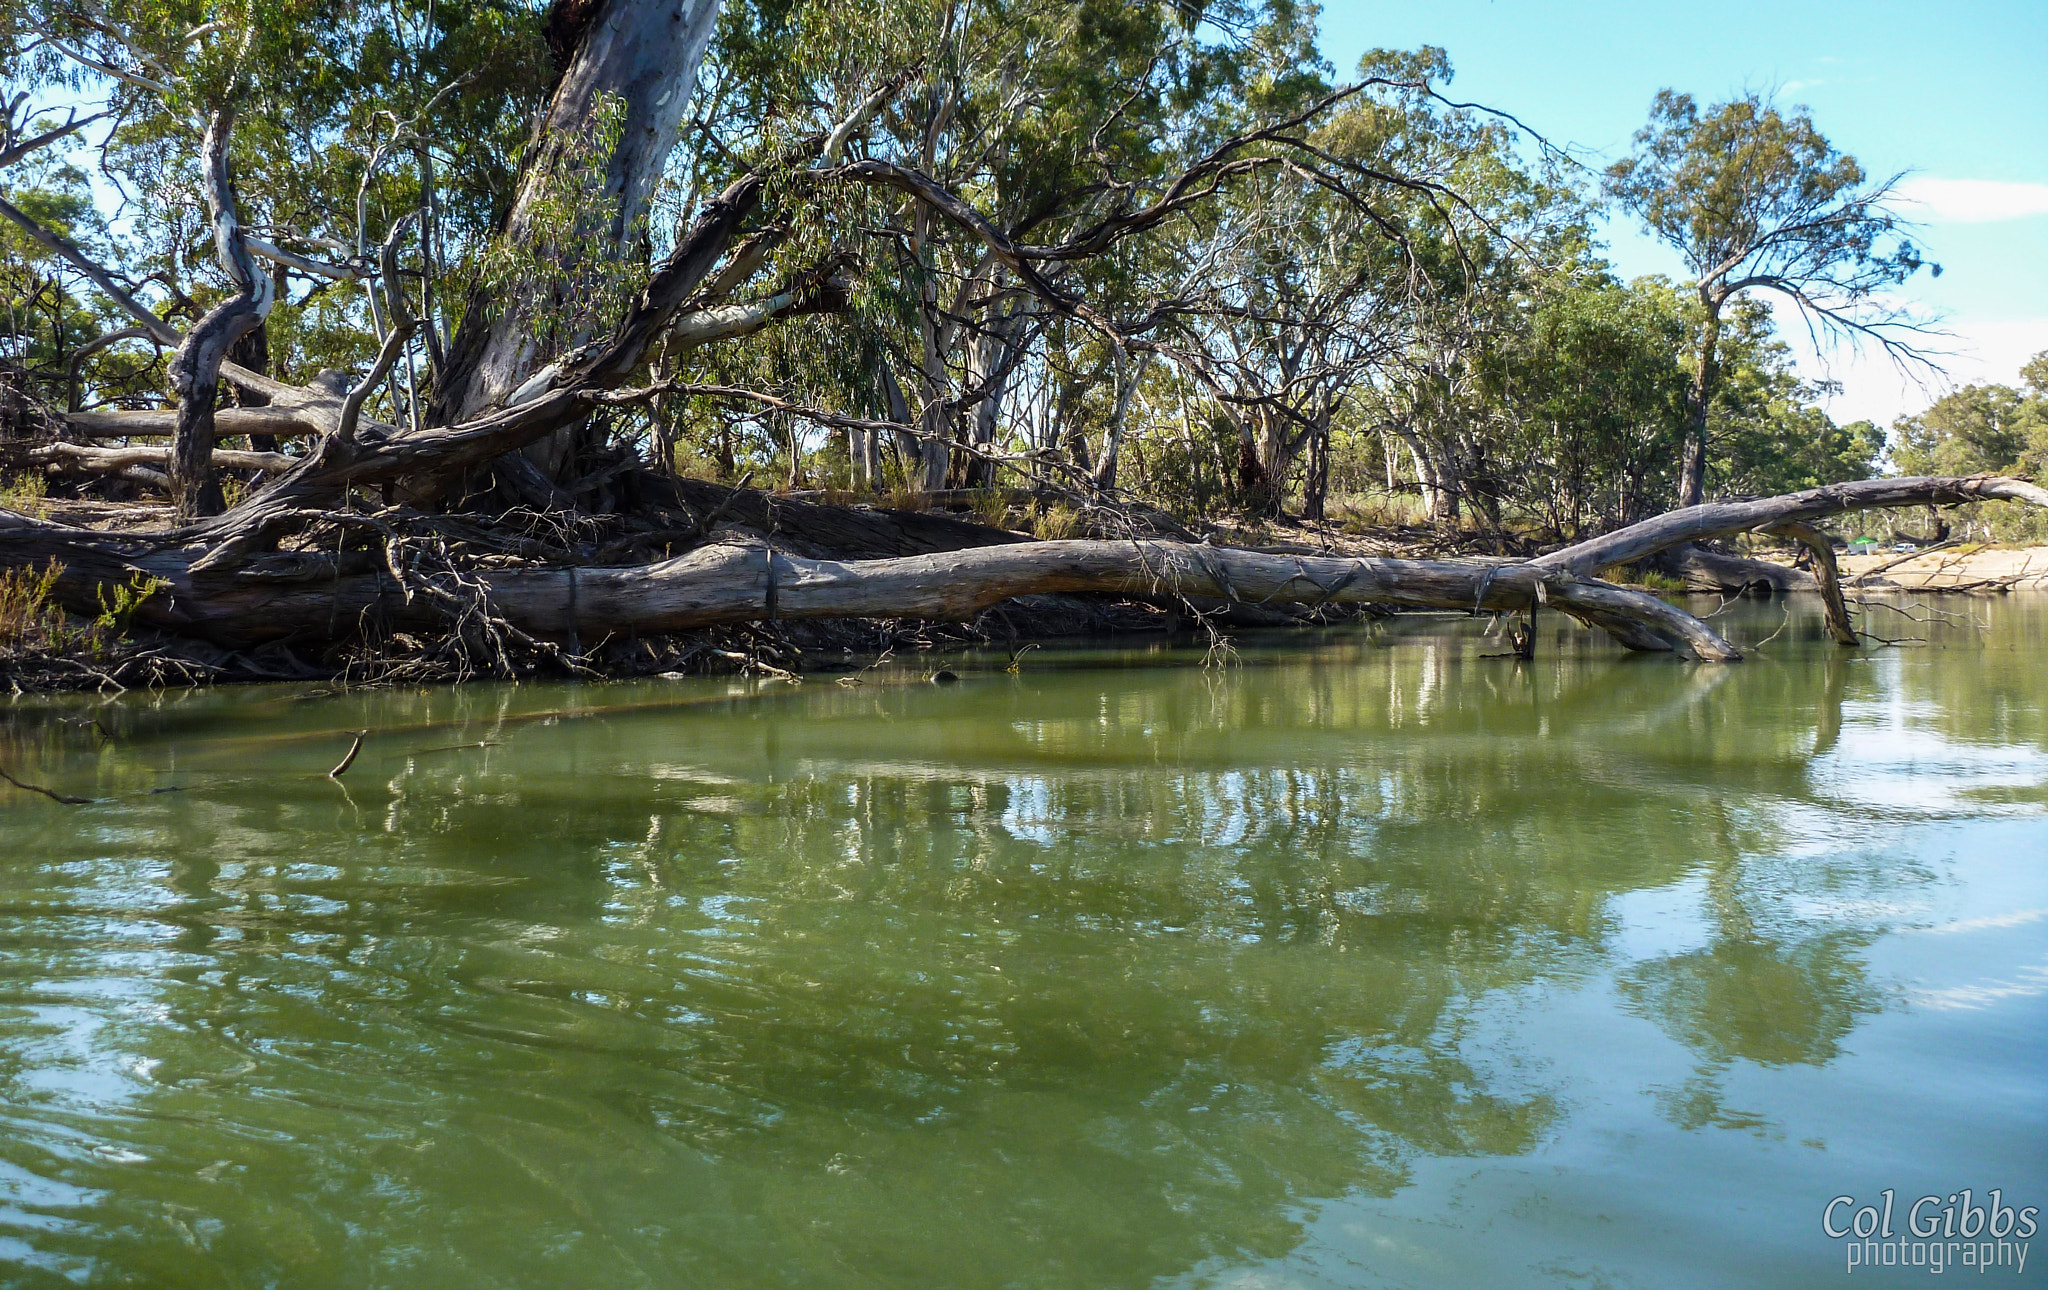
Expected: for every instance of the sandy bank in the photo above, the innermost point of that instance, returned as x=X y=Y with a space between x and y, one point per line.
x=2024 y=568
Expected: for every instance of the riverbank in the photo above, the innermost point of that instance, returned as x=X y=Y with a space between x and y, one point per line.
x=758 y=582
x=1962 y=568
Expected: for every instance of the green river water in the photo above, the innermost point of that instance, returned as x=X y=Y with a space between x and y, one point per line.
x=1365 y=961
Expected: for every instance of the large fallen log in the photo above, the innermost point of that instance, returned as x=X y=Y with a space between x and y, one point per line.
x=297 y=595
x=1713 y=572
x=278 y=422
x=1721 y=519
x=86 y=459
x=325 y=595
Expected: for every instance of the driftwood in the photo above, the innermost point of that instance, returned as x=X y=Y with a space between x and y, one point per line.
x=1716 y=572
x=302 y=595
x=144 y=423
x=1722 y=519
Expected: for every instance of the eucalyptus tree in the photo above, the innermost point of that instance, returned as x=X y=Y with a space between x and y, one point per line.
x=1979 y=427
x=1758 y=200
x=1046 y=115
x=1768 y=433
x=1982 y=428
x=1588 y=372
x=61 y=346
x=1462 y=278
x=1293 y=321
x=287 y=133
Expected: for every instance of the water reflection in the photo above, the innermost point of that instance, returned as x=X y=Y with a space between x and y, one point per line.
x=1082 y=977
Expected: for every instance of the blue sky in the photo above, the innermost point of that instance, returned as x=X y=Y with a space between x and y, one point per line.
x=1954 y=93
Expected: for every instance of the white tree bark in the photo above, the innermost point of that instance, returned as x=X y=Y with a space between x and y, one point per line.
x=640 y=57
x=195 y=370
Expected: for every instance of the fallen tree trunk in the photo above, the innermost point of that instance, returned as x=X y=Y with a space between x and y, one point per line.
x=85 y=459
x=278 y=422
x=1712 y=572
x=283 y=596
x=330 y=595
x=1720 y=519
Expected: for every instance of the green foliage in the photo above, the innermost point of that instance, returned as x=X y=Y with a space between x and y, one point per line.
x=1764 y=434
x=1594 y=397
x=1756 y=197
x=341 y=121
x=1983 y=428
x=47 y=313
x=1977 y=428
x=564 y=240
x=30 y=619
x=120 y=606
x=1445 y=316
x=24 y=493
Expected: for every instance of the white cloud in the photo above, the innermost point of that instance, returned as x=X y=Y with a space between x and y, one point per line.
x=1972 y=353
x=1972 y=201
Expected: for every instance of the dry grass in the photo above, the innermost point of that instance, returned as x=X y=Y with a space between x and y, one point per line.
x=1650 y=579
x=992 y=510
x=1365 y=514
x=1056 y=522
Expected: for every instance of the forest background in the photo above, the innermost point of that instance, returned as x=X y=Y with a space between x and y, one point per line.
x=1407 y=318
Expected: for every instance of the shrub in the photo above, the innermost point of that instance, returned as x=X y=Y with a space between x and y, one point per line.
x=24 y=493
x=28 y=617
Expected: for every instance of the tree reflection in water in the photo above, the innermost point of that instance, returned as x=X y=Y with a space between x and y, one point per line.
x=1080 y=977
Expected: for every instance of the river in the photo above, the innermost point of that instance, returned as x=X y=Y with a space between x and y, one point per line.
x=1360 y=959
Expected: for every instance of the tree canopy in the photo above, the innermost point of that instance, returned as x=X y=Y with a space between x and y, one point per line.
x=1758 y=200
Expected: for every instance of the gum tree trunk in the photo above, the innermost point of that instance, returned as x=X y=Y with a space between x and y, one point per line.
x=1692 y=482
x=195 y=370
x=633 y=68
